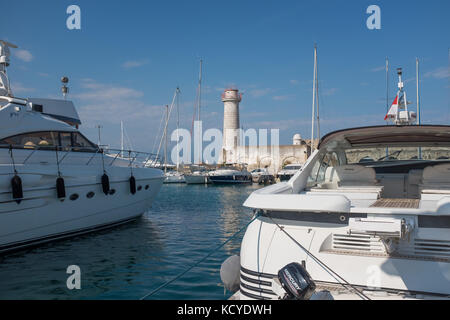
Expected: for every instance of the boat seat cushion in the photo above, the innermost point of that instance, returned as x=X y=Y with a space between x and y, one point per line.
x=351 y=175
x=436 y=179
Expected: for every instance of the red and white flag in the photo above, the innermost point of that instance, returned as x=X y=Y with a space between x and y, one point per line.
x=393 y=109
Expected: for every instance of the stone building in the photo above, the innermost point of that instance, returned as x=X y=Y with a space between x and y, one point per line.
x=255 y=156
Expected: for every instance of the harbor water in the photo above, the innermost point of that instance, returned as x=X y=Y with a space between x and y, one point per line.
x=184 y=224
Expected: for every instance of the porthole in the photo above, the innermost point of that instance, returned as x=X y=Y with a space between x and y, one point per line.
x=112 y=191
x=139 y=188
x=147 y=186
x=342 y=218
x=73 y=196
x=90 y=195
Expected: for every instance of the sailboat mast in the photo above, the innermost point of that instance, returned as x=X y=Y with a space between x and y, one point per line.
x=199 y=90
x=317 y=97
x=165 y=138
x=121 y=137
x=419 y=151
x=314 y=99
x=178 y=126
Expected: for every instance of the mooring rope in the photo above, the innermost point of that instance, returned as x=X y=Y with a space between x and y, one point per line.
x=200 y=261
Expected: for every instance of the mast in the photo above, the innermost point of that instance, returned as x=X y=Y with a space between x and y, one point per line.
x=121 y=137
x=419 y=155
x=178 y=126
x=387 y=96
x=314 y=99
x=317 y=97
x=165 y=138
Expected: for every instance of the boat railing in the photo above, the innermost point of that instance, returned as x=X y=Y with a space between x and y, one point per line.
x=109 y=155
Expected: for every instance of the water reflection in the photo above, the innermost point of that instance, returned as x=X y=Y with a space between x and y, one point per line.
x=185 y=223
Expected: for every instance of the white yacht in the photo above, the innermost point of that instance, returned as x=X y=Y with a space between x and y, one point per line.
x=230 y=175
x=174 y=176
x=54 y=182
x=197 y=177
x=288 y=171
x=366 y=217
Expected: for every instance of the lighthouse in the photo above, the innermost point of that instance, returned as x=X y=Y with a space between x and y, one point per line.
x=230 y=142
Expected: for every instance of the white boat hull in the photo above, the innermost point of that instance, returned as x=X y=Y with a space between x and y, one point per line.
x=196 y=179
x=40 y=216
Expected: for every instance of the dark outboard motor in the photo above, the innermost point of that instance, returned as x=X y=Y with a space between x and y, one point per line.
x=296 y=281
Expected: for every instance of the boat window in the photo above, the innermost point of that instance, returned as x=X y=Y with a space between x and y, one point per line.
x=80 y=143
x=65 y=140
x=50 y=139
x=379 y=155
x=317 y=175
x=32 y=140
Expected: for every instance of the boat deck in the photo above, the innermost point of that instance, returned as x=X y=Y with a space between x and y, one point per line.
x=396 y=203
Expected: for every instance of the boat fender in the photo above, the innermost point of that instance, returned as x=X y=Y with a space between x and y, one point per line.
x=60 y=188
x=17 y=190
x=132 y=185
x=230 y=272
x=105 y=183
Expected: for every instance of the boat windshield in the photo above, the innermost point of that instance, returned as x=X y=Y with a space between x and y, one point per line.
x=380 y=155
x=391 y=160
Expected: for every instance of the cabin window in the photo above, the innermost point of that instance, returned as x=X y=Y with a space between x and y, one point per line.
x=50 y=139
x=33 y=140
x=65 y=140
x=80 y=143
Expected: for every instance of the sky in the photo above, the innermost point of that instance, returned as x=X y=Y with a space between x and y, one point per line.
x=129 y=56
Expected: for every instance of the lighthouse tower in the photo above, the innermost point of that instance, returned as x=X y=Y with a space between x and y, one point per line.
x=231 y=99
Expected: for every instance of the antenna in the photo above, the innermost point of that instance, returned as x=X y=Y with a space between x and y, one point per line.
x=398 y=113
x=5 y=88
x=64 y=88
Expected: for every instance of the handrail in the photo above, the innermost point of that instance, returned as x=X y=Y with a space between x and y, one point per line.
x=147 y=159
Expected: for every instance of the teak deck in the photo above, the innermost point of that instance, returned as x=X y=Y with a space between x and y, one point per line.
x=397 y=203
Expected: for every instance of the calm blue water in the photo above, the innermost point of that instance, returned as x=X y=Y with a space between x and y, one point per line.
x=185 y=223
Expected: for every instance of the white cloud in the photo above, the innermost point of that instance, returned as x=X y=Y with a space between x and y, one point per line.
x=111 y=103
x=257 y=93
x=283 y=98
x=134 y=63
x=439 y=73
x=329 y=92
x=23 y=55
x=377 y=69
x=19 y=88
x=294 y=82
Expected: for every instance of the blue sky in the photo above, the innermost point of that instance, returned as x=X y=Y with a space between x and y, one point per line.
x=128 y=58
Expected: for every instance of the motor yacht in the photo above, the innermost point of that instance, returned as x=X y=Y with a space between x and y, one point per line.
x=230 y=175
x=366 y=217
x=288 y=171
x=56 y=183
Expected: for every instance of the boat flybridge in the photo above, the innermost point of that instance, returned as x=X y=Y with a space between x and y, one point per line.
x=54 y=182
x=367 y=216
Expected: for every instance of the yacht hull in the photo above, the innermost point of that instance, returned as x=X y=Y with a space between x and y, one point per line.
x=265 y=250
x=41 y=217
x=230 y=179
x=196 y=179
